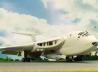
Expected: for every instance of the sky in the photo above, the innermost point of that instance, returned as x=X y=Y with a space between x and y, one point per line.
x=48 y=18
x=62 y=14
x=31 y=7
x=76 y=14
x=28 y=7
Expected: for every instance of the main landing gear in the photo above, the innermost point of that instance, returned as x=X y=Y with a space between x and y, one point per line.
x=26 y=56
x=29 y=56
x=74 y=58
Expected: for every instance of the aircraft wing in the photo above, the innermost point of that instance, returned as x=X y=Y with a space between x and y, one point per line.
x=14 y=50
x=17 y=48
x=45 y=45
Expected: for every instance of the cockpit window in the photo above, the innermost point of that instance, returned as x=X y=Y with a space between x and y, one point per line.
x=83 y=33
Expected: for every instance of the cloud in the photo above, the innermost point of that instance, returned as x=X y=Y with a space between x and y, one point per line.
x=15 y=22
x=64 y=13
x=11 y=21
x=90 y=2
x=55 y=4
x=45 y=3
x=67 y=11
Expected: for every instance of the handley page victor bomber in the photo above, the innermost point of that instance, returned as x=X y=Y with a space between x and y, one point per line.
x=73 y=45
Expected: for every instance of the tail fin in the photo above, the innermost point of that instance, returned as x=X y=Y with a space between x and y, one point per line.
x=28 y=34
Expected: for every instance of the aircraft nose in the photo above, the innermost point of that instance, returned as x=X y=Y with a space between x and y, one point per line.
x=95 y=43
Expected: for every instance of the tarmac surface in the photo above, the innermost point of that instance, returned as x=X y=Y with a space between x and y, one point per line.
x=48 y=65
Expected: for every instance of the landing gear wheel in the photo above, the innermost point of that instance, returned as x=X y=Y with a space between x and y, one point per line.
x=27 y=57
x=74 y=59
x=69 y=59
x=79 y=58
x=26 y=60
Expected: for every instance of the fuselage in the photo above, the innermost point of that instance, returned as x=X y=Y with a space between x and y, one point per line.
x=71 y=44
x=78 y=43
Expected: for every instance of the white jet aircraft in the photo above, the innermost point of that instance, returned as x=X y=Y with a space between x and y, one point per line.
x=73 y=45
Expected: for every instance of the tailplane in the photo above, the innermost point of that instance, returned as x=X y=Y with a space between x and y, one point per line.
x=31 y=34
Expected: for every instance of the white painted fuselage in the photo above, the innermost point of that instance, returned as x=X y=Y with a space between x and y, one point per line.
x=78 y=44
x=74 y=43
